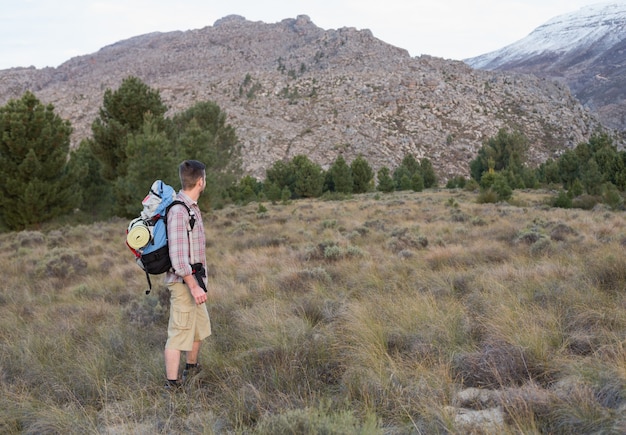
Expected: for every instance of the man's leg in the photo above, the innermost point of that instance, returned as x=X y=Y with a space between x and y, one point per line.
x=177 y=335
x=172 y=362
x=192 y=365
x=192 y=355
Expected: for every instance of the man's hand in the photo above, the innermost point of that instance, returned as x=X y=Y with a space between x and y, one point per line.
x=197 y=293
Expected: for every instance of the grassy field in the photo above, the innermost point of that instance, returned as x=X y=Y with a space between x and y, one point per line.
x=407 y=313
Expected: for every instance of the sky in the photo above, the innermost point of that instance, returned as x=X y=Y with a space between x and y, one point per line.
x=45 y=33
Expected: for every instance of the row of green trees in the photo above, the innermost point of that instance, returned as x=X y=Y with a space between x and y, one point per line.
x=302 y=178
x=595 y=169
x=592 y=172
x=133 y=142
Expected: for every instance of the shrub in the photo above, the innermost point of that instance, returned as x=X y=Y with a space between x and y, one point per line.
x=561 y=232
x=612 y=197
x=471 y=185
x=495 y=365
x=586 y=202
x=562 y=200
x=457 y=181
x=607 y=272
x=146 y=311
x=487 y=196
x=333 y=252
x=502 y=188
x=402 y=240
x=61 y=263
x=302 y=280
x=29 y=239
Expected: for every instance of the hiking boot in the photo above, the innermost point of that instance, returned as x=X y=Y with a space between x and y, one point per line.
x=190 y=372
x=172 y=386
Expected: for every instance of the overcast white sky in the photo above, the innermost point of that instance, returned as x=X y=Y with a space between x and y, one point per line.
x=48 y=32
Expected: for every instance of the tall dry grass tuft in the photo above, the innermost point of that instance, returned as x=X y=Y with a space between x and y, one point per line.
x=404 y=313
x=607 y=269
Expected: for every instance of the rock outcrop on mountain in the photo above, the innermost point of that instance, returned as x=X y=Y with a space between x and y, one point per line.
x=293 y=88
x=585 y=49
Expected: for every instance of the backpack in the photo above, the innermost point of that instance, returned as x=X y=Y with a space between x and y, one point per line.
x=146 y=235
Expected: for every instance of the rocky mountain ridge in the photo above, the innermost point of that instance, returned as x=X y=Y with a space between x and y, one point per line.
x=293 y=88
x=585 y=49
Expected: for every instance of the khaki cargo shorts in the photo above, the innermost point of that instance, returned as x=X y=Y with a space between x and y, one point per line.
x=188 y=322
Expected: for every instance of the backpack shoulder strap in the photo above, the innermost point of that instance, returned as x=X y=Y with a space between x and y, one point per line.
x=192 y=222
x=192 y=215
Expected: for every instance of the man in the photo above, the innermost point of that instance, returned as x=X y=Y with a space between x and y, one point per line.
x=189 y=321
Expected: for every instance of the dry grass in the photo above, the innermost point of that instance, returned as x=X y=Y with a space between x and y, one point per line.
x=375 y=314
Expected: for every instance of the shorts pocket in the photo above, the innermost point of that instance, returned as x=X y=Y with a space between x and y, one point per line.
x=182 y=320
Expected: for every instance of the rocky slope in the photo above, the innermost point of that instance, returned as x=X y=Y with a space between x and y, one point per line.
x=293 y=88
x=585 y=49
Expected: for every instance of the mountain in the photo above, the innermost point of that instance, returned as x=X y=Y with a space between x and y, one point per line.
x=586 y=49
x=293 y=88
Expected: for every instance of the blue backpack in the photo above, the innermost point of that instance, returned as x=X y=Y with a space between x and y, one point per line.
x=146 y=235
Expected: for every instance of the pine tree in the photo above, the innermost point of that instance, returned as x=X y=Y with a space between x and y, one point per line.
x=202 y=133
x=591 y=177
x=548 y=172
x=247 y=190
x=341 y=175
x=569 y=167
x=428 y=173
x=36 y=179
x=620 y=176
x=417 y=182
x=122 y=113
x=282 y=174
x=502 y=188
x=309 y=178
x=362 y=175
x=404 y=173
x=285 y=195
x=404 y=183
x=385 y=182
x=151 y=156
x=272 y=191
x=97 y=193
x=505 y=151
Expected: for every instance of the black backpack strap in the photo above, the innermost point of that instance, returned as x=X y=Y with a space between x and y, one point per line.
x=149 y=283
x=192 y=215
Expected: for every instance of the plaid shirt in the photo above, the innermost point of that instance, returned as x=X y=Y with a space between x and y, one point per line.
x=181 y=242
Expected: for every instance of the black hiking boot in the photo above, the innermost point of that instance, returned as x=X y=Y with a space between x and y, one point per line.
x=189 y=372
x=172 y=386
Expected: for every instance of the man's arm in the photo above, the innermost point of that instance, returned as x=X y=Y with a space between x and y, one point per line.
x=196 y=291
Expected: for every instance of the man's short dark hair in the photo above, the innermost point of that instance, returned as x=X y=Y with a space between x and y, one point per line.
x=190 y=171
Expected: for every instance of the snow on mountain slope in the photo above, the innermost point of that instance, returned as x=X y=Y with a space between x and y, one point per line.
x=585 y=50
x=598 y=26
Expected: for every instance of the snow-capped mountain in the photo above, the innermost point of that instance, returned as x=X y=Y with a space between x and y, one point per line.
x=586 y=48
x=597 y=27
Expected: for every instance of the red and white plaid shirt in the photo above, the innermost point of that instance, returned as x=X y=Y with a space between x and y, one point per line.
x=180 y=241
